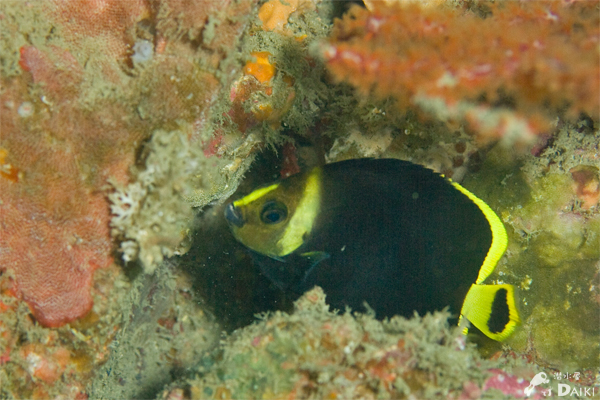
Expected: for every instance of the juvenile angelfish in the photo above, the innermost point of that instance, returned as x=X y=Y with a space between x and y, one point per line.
x=386 y=232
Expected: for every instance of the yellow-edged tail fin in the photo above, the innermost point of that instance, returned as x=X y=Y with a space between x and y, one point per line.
x=492 y=309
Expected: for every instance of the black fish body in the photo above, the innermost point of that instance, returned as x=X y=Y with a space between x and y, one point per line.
x=386 y=232
x=402 y=242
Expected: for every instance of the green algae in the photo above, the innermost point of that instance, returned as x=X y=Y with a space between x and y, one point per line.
x=553 y=247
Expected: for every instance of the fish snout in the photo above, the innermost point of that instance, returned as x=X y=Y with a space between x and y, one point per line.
x=233 y=215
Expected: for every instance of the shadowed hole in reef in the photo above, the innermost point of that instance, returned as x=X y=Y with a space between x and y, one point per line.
x=223 y=272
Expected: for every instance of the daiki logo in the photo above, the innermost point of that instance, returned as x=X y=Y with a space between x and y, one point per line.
x=563 y=389
x=537 y=380
x=566 y=390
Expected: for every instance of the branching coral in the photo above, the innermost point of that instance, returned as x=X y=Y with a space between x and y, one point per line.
x=505 y=75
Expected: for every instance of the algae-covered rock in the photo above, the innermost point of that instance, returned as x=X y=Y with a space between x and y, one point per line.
x=554 y=244
x=314 y=354
x=164 y=333
x=152 y=216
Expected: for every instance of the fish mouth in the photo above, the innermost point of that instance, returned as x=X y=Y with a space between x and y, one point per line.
x=233 y=215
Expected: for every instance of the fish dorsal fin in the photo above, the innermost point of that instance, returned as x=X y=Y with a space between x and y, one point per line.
x=492 y=309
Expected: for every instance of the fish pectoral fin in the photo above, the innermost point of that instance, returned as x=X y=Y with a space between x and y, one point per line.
x=306 y=263
x=312 y=259
x=275 y=269
x=315 y=257
x=492 y=309
x=289 y=272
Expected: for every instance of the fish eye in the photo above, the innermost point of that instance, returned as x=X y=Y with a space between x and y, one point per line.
x=273 y=212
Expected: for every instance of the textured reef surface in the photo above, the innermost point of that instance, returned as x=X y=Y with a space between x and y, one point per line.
x=124 y=126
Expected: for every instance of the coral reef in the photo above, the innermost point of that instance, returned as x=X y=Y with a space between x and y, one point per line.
x=39 y=363
x=166 y=334
x=549 y=197
x=316 y=354
x=119 y=117
x=274 y=14
x=71 y=125
x=55 y=216
x=555 y=247
x=152 y=215
x=174 y=93
x=506 y=84
x=99 y=99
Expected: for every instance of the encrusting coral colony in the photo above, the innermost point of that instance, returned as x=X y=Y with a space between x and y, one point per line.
x=124 y=125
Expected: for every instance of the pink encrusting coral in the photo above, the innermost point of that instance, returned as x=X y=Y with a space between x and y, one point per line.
x=508 y=384
x=55 y=215
x=109 y=26
x=53 y=259
x=77 y=101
